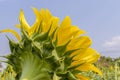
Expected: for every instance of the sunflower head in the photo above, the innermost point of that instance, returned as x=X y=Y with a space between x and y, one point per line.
x=50 y=50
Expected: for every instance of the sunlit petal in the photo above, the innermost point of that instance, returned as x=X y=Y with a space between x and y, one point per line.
x=81 y=77
x=54 y=25
x=89 y=67
x=82 y=43
x=37 y=22
x=23 y=21
x=89 y=55
x=66 y=22
x=13 y=32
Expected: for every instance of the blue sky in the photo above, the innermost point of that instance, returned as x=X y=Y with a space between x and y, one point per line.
x=100 y=18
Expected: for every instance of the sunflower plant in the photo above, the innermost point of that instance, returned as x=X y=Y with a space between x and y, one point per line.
x=49 y=50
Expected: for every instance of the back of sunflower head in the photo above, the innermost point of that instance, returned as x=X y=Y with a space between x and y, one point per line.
x=49 y=50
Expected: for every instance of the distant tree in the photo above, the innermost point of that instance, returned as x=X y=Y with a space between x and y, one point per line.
x=116 y=59
x=105 y=61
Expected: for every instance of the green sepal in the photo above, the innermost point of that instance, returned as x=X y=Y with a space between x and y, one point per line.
x=36 y=49
x=52 y=61
x=61 y=49
x=52 y=35
x=47 y=48
x=39 y=30
x=40 y=37
x=71 y=76
x=12 y=44
x=24 y=33
x=76 y=72
x=75 y=66
x=68 y=53
x=67 y=62
x=27 y=45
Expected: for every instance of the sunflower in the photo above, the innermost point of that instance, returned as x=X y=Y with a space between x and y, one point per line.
x=50 y=50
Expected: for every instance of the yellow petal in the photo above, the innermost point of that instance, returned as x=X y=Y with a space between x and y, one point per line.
x=89 y=55
x=47 y=19
x=13 y=32
x=93 y=58
x=37 y=22
x=81 y=77
x=45 y=15
x=54 y=25
x=48 y=15
x=23 y=21
x=76 y=32
x=46 y=25
x=66 y=22
x=63 y=35
x=75 y=63
x=66 y=31
x=89 y=67
x=81 y=43
x=42 y=13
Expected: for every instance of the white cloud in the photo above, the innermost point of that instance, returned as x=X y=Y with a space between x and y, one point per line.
x=114 y=42
x=111 y=47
